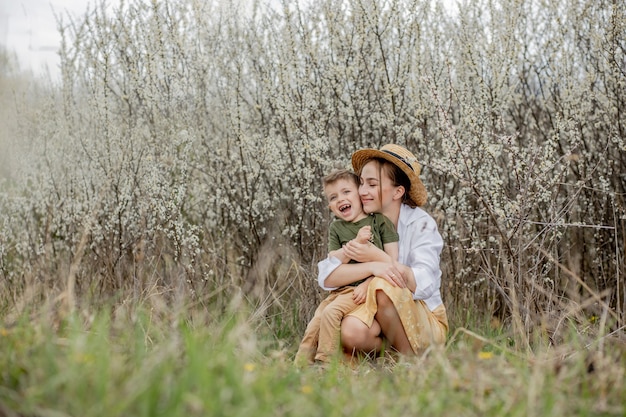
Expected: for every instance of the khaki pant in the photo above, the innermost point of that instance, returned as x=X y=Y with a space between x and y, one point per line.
x=321 y=339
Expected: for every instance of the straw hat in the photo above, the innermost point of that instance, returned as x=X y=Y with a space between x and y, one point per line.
x=401 y=158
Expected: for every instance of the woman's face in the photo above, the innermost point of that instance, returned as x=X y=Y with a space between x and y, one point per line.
x=376 y=189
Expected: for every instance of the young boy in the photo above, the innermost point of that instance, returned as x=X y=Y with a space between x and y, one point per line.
x=341 y=188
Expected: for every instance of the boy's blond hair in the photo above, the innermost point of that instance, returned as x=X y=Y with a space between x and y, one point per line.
x=340 y=174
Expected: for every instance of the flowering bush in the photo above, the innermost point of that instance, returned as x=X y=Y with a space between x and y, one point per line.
x=187 y=143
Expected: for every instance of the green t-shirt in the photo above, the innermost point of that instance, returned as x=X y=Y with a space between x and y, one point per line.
x=341 y=231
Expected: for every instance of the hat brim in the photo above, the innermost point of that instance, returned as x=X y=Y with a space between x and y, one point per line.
x=417 y=194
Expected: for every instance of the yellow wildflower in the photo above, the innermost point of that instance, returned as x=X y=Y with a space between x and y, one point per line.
x=485 y=355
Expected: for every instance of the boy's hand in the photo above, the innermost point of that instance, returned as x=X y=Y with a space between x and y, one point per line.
x=360 y=293
x=364 y=235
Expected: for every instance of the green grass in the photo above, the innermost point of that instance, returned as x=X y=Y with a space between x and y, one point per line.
x=138 y=363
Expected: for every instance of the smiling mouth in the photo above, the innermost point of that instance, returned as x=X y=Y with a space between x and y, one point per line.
x=344 y=207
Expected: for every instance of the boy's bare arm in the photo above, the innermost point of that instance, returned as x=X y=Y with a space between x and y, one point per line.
x=393 y=250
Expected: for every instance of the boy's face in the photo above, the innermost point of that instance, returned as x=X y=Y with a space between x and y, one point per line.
x=343 y=200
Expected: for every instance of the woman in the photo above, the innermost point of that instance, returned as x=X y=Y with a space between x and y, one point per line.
x=404 y=302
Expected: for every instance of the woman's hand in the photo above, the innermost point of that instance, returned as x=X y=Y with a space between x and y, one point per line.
x=389 y=272
x=364 y=252
x=407 y=275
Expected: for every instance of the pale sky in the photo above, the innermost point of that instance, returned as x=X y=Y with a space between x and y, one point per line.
x=28 y=28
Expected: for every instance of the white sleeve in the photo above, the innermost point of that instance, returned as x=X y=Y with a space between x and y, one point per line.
x=425 y=267
x=423 y=258
x=324 y=269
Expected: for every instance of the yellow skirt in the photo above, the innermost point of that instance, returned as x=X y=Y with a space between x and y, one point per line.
x=423 y=327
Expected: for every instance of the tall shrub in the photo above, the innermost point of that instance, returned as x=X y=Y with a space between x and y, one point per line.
x=188 y=141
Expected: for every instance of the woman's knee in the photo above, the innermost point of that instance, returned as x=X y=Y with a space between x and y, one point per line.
x=385 y=305
x=382 y=299
x=356 y=335
x=353 y=333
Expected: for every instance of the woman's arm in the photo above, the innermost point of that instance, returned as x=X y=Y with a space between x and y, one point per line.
x=346 y=274
x=333 y=274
